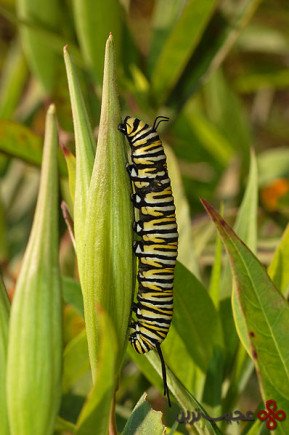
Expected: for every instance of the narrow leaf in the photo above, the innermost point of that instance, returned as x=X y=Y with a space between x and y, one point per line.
x=84 y=147
x=35 y=336
x=13 y=79
x=40 y=56
x=180 y=45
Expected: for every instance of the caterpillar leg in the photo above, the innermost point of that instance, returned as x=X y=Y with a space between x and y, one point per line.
x=131 y=169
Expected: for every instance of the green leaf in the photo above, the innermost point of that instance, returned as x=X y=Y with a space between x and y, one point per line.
x=266 y=313
x=72 y=293
x=272 y=164
x=18 y=141
x=94 y=416
x=84 y=148
x=215 y=281
x=13 y=79
x=246 y=222
x=179 y=359
x=212 y=140
x=195 y=317
x=106 y=269
x=75 y=361
x=144 y=420
x=41 y=58
x=4 y=321
x=107 y=19
x=165 y=15
x=225 y=111
x=64 y=425
x=179 y=46
x=35 y=334
x=278 y=269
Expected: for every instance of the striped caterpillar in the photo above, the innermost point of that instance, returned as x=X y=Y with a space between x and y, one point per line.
x=157 y=229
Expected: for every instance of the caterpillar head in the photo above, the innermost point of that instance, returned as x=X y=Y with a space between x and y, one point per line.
x=131 y=126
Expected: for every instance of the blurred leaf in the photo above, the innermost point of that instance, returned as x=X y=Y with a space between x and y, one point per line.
x=94 y=416
x=18 y=141
x=266 y=314
x=64 y=425
x=4 y=321
x=212 y=50
x=259 y=37
x=108 y=18
x=35 y=353
x=41 y=58
x=195 y=317
x=75 y=361
x=178 y=357
x=146 y=368
x=165 y=15
x=144 y=420
x=13 y=79
x=225 y=111
x=273 y=164
x=254 y=81
x=4 y=248
x=246 y=222
x=210 y=137
x=72 y=293
x=179 y=46
x=278 y=269
x=215 y=281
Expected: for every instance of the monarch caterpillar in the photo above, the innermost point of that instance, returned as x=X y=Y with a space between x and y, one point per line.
x=158 y=244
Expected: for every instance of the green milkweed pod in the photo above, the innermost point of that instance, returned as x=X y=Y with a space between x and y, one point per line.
x=35 y=336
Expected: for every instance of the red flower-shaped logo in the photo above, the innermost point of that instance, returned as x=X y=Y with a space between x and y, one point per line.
x=271 y=415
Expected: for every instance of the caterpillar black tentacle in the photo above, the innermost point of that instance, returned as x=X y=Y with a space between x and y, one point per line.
x=157 y=228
